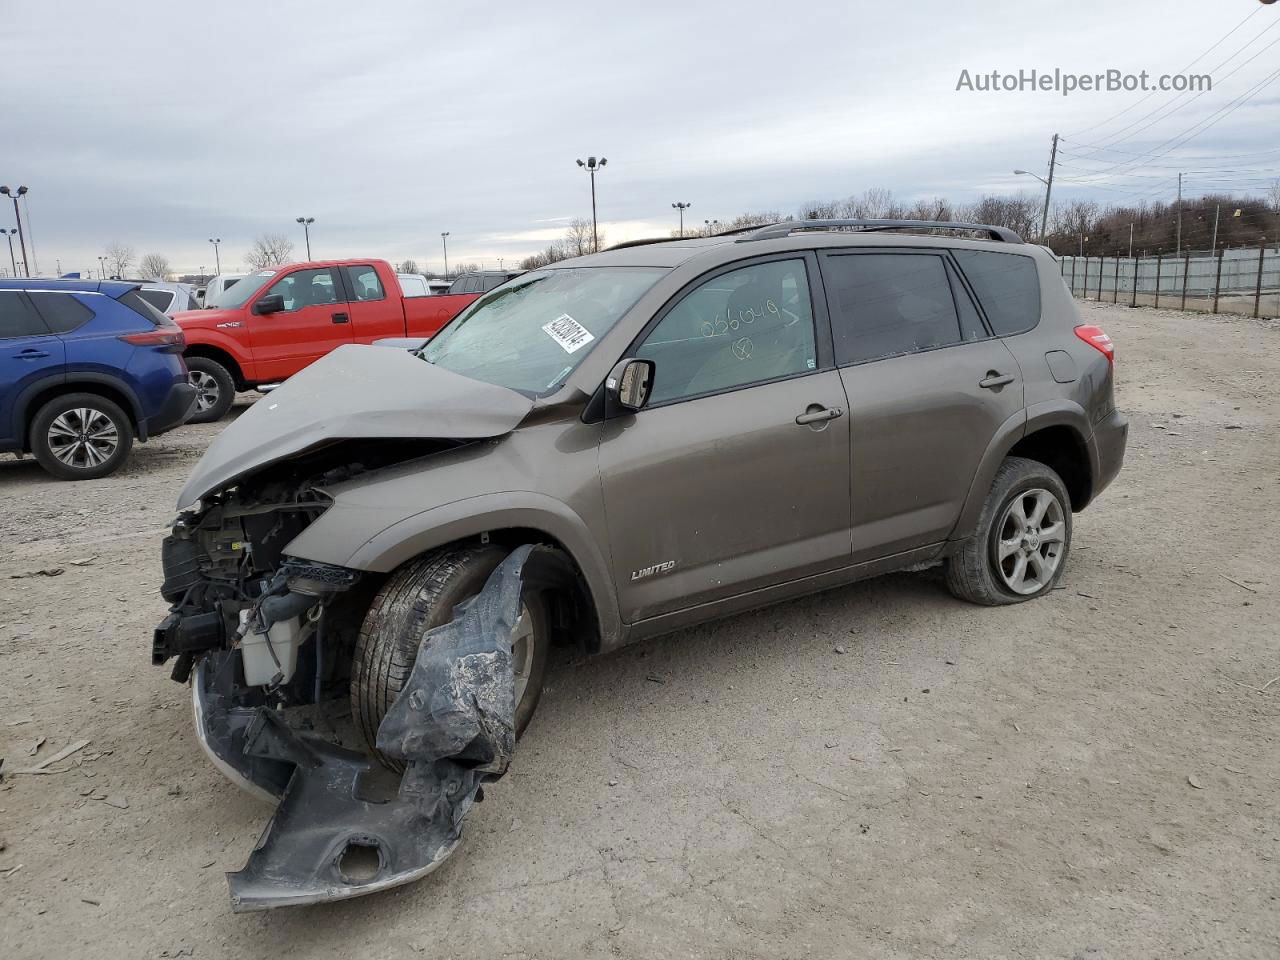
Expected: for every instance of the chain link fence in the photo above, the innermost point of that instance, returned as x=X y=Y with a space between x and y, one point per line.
x=1244 y=281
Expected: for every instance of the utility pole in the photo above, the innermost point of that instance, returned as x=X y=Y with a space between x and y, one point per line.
x=1130 y=241
x=591 y=166
x=444 y=239
x=1179 y=250
x=1048 y=191
x=1217 y=212
x=682 y=207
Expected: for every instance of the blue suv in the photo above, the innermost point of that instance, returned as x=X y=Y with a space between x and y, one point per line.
x=85 y=368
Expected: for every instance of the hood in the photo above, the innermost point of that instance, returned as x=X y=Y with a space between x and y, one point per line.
x=355 y=392
x=208 y=318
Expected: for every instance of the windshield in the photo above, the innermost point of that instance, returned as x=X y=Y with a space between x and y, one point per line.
x=530 y=333
x=242 y=291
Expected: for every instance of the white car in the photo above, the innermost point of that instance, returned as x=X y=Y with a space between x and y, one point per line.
x=413 y=285
x=219 y=284
x=170 y=298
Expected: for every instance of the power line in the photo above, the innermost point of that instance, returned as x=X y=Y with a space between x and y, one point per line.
x=1186 y=103
x=1191 y=133
x=1138 y=103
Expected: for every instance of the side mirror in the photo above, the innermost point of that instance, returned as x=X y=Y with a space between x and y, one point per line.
x=628 y=385
x=271 y=303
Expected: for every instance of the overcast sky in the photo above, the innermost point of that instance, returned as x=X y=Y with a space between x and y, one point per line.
x=162 y=124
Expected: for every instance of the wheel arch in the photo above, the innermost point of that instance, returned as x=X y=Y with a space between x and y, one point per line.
x=508 y=519
x=1054 y=433
x=41 y=392
x=219 y=355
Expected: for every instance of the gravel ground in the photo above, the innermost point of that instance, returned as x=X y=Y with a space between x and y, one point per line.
x=1091 y=775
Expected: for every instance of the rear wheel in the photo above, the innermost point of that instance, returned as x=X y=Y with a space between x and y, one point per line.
x=215 y=389
x=1024 y=535
x=418 y=597
x=81 y=436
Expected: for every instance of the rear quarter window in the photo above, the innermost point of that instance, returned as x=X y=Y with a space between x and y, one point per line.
x=140 y=306
x=162 y=300
x=61 y=311
x=1008 y=288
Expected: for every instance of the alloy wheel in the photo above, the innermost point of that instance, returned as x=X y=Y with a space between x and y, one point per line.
x=522 y=647
x=207 y=390
x=83 y=437
x=1031 y=540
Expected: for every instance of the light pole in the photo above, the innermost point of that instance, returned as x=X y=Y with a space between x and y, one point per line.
x=682 y=207
x=710 y=225
x=444 y=239
x=9 y=236
x=591 y=166
x=18 y=216
x=1048 y=188
x=306 y=231
x=217 y=258
x=102 y=268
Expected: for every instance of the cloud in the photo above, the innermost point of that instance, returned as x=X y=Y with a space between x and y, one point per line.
x=390 y=125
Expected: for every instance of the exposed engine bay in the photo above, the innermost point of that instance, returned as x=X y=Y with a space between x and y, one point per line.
x=266 y=641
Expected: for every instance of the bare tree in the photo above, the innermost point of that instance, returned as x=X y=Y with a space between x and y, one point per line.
x=154 y=266
x=120 y=256
x=461 y=268
x=578 y=238
x=409 y=266
x=269 y=250
x=555 y=252
x=876 y=203
x=1273 y=195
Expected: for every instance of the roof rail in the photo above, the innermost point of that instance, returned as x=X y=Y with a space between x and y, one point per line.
x=787 y=227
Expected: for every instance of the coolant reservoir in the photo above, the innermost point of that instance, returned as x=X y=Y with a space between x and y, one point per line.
x=259 y=652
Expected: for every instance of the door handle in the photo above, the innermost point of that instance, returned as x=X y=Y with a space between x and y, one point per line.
x=32 y=355
x=817 y=416
x=995 y=380
x=341 y=318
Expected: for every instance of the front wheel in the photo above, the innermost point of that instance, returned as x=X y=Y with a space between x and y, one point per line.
x=215 y=389
x=1020 y=547
x=420 y=596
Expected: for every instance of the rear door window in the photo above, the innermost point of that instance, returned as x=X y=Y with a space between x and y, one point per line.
x=18 y=318
x=61 y=311
x=364 y=283
x=888 y=304
x=1008 y=288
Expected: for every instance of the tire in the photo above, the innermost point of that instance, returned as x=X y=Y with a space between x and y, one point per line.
x=419 y=596
x=215 y=389
x=81 y=436
x=987 y=568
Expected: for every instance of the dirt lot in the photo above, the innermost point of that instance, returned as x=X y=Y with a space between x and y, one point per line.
x=1092 y=775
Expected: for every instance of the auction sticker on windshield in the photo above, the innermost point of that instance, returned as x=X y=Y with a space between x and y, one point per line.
x=568 y=332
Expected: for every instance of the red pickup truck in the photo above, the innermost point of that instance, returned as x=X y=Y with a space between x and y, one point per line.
x=275 y=321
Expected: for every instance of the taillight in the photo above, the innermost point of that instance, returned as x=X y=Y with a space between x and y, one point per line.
x=170 y=336
x=1096 y=338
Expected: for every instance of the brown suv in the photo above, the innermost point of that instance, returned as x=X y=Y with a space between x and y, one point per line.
x=684 y=430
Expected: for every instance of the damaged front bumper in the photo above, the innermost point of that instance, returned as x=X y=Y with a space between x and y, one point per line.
x=345 y=826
